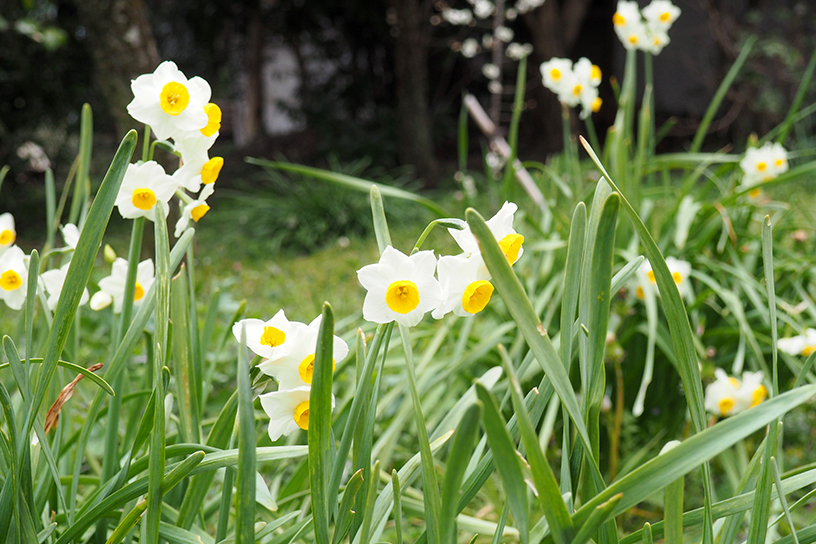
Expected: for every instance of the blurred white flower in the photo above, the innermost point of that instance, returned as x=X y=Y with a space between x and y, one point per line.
x=483 y=8
x=35 y=155
x=460 y=17
x=679 y=269
x=660 y=15
x=504 y=34
x=114 y=285
x=763 y=164
x=525 y=6
x=556 y=74
x=517 y=51
x=727 y=396
x=495 y=87
x=510 y=14
x=70 y=233
x=52 y=281
x=13 y=277
x=400 y=288
x=803 y=344
x=469 y=48
x=143 y=186
x=169 y=102
x=491 y=71
x=8 y=233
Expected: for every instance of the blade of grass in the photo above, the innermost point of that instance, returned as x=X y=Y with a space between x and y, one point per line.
x=245 y=485
x=365 y=531
x=345 y=513
x=395 y=483
x=596 y=519
x=464 y=439
x=804 y=85
x=780 y=492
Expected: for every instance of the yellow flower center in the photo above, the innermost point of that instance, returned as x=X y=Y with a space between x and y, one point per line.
x=639 y=292
x=807 y=350
x=138 y=292
x=555 y=73
x=759 y=395
x=754 y=193
x=596 y=104
x=577 y=89
x=402 y=296
x=633 y=39
x=677 y=277
x=665 y=17
x=211 y=169
x=302 y=415
x=656 y=41
x=273 y=337
x=7 y=237
x=762 y=166
x=650 y=275
x=777 y=162
x=511 y=246
x=144 y=199
x=735 y=382
x=199 y=211
x=10 y=280
x=174 y=98
x=596 y=72
x=477 y=295
x=306 y=368
x=618 y=19
x=726 y=405
x=213 y=119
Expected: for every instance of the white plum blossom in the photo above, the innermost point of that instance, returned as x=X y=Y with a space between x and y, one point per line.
x=13 y=277
x=169 y=102
x=504 y=34
x=400 y=288
x=143 y=186
x=491 y=71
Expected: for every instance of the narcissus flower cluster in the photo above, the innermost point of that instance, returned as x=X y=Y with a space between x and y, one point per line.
x=762 y=164
x=728 y=396
x=803 y=344
x=646 y=30
x=403 y=288
x=287 y=349
x=679 y=269
x=176 y=108
x=575 y=84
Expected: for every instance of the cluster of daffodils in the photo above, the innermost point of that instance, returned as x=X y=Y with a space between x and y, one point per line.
x=14 y=268
x=646 y=30
x=728 y=396
x=499 y=37
x=803 y=344
x=762 y=164
x=403 y=288
x=575 y=84
x=679 y=269
x=287 y=349
x=178 y=109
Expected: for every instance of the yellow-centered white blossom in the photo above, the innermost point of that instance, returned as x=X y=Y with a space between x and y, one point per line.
x=169 y=102
x=400 y=288
x=295 y=367
x=728 y=396
x=803 y=344
x=143 y=186
x=113 y=287
x=501 y=226
x=271 y=339
x=466 y=287
x=288 y=411
x=52 y=281
x=762 y=164
x=13 y=277
x=8 y=233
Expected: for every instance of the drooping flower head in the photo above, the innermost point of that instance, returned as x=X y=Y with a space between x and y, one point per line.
x=466 y=288
x=52 y=281
x=270 y=339
x=197 y=167
x=8 y=234
x=169 y=102
x=295 y=367
x=143 y=186
x=400 y=288
x=13 y=277
x=501 y=225
x=288 y=411
x=195 y=210
x=112 y=288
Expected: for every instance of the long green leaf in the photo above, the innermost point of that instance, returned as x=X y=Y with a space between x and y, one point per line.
x=461 y=448
x=245 y=502
x=320 y=408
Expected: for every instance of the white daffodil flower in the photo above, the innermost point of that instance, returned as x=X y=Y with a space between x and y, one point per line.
x=626 y=14
x=660 y=15
x=295 y=368
x=114 y=285
x=13 y=277
x=70 y=233
x=169 y=102
x=589 y=77
x=143 y=186
x=52 y=281
x=195 y=210
x=466 y=288
x=679 y=269
x=197 y=167
x=758 y=165
x=8 y=234
x=555 y=74
x=288 y=411
x=634 y=35
x=501 y=225
x=270 y=339
x=803 y=344
x=400 y=288
x=658 y=39
x=728 y=396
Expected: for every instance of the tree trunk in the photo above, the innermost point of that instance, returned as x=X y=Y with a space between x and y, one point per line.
x=410 y=31
x=123 y=48
x=252 y=126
